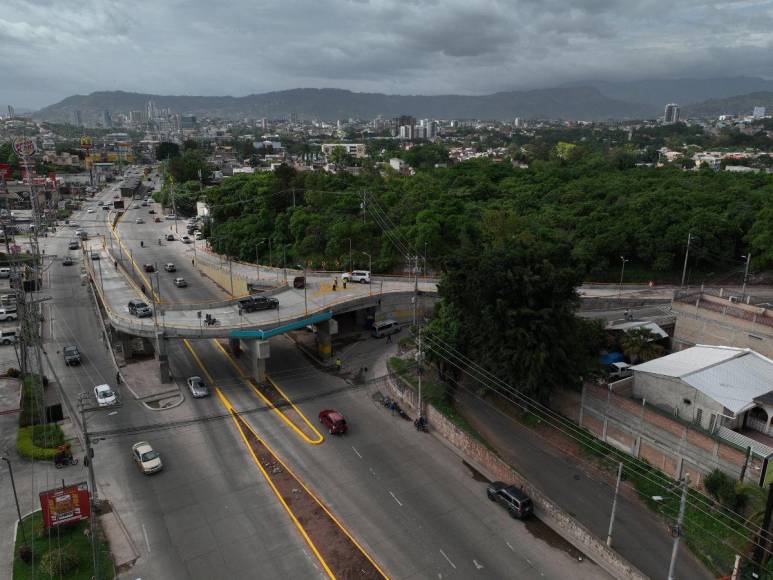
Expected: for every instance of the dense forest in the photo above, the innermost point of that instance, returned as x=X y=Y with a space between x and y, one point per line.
x=601 y=210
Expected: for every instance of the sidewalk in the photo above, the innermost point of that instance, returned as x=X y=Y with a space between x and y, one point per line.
x=639 y=535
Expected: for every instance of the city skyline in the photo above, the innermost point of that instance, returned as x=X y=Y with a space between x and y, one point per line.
x=53 y=51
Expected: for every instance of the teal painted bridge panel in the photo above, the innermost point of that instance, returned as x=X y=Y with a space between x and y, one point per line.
x=264 y=334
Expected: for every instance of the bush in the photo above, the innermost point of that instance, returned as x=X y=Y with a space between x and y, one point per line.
x=26 y=447
x=49 y=435
x=722 y=488
x=25 y=554
x=58 y=562
x=12 y=373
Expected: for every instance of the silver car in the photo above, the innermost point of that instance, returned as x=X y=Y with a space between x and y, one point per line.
x=198 y=387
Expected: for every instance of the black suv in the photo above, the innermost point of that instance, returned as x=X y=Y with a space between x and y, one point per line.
x=72 y=356
x=253 y=303
x=139 y=309
x=512 y=498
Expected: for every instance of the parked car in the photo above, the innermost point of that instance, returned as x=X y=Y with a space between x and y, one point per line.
x=384 y=328
x=95 y=255
x=180 y=282
x=8 y=314
x=333 y=421
x=198 y=387
x=515 y=501
x=104 y=395
x=170 y=237
x=149 y=268
x=67 y=261
x=361 y=276
x=253 y=303
x=170 y=267
x=146 y=458
x=8 y=336
x=72 y=356
x=186 y=239
x=199 y=236
x=5 y=272
x=151 y=211
x=170 y=216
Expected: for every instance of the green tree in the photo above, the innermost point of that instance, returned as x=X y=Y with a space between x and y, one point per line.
x=339 y=157
x=166 y=150
x=639 y=345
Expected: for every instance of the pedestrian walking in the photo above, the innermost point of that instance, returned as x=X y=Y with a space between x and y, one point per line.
x=118 y=378
x=193 y=262
x=335 y=284
x=338 y=364
x=389 y=339
x=344 y=281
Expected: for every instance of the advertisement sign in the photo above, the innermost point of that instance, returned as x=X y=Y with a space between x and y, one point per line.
x=24 y=146
x=65 y=505
x=766 y=474
x=5 y=171
x=86 y=142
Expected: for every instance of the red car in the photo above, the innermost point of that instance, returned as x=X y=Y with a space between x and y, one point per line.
x=334 y=421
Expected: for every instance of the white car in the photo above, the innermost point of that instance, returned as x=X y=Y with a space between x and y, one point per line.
x=104 y=395
x=146 y=458
x=139 y=221
x=170 y=216
x=361 y=276
x=185 y=239
x=90 y=210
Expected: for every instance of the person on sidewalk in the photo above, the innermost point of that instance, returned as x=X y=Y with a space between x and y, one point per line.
x=335 y=284
x=338 y=364
x=118 y=378
x=344 y=282
x=389 y=339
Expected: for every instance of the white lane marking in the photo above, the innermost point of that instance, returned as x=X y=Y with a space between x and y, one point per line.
x=145 y=533
x=373 y=473
x=478 y=565
x=529 y=562
x=357 y=452
x=448 y=560
x=394 y=497
x=509 y=546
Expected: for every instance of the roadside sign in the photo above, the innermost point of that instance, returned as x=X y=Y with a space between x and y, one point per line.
x=24 y=146
x=766 y=474
x=65 y=505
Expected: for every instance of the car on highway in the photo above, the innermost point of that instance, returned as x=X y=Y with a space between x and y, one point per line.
x=72 y=356
x=198 y=387
x=170 y=216
x=361 y=276
x=106 y=207
x=253 y=303
x=139 y=309
x=139 y=221
x=180 y=282
x=72 y=225
x=514 y=500
x=333 y=421
x=151 y=211
x=186 y=239
x=105 y=396
x=146 y=458
x=8 y=314
x=170 y=267
x=73 y=245
x=90 y=210
x=95 y=255
x=149 y=268
x=82 y=234
x=67 y=261
x=170 y=237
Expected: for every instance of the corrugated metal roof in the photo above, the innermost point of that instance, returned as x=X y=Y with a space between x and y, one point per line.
x=736 y=382
x=651 y=326
x=689 y=360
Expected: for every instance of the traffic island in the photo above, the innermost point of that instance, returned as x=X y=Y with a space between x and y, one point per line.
x=338 y=552
x=62 y=552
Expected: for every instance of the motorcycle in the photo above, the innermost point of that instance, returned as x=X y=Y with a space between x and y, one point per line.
x=65 y=460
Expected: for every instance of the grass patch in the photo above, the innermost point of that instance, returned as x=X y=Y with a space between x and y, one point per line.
x=75 y=547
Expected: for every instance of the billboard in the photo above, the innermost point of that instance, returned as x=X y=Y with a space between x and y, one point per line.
x=65 y=505
x=5 y=171
x=766 y=474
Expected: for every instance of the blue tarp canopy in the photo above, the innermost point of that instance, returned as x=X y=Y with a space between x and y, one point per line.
x=611 y=357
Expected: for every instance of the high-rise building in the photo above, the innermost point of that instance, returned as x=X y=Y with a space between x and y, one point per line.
x=107 y=119
x=187 y=122
x=671 y=114
x=137 y=117
x=11 y=111
x=77 y=118
x=404 y=120
x=759 y=112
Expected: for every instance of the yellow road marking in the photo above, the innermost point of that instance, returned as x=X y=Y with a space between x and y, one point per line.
x=285 y=418
x=131 y=259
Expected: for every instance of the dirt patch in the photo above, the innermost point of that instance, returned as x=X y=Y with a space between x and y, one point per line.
x=283 y=405
x=541 y=531
x=476 y=475
x=340 y=553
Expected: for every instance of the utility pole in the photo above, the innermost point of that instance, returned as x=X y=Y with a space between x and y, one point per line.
x=419 y=356
x=762 y=539
x=350 y=255
x=89 y=461
x=415 y=288
x=614 y=504
x=748 y=257
x=686 y=254
x=622 y=273
x=679 y=524
x=16 y=498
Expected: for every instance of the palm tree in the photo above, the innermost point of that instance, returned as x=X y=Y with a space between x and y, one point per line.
x=639 y=345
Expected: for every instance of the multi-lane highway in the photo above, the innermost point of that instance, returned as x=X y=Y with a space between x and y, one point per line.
x=410 y=502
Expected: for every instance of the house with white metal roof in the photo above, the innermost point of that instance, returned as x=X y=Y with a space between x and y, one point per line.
x=711 y=386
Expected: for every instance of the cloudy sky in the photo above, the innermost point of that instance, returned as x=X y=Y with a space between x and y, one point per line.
x=50 y=49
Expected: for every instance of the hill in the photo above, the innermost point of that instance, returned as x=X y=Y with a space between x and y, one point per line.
x=571 y=103
x=736 y=105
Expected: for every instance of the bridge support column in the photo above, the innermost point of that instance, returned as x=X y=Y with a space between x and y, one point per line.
x=234 y=346
x=259 y=352
x=324 y=341
x=163 y=357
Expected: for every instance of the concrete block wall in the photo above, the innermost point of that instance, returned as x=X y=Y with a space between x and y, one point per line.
x=400 y=308
x=664 y=442
x=548 y=511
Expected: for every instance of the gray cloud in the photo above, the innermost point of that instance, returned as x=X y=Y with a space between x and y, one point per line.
x=52 y=49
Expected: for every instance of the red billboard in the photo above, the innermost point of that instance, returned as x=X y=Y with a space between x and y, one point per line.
x=65 y=505
x=5 y=171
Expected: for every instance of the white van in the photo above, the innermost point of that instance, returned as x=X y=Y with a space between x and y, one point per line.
x=384 y=328
x=8 y=336
x=5 y=272
x=619 y=370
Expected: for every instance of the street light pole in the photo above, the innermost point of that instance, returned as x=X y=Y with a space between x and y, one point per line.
x=622 y=272
x=748 y=257
x=679 y=523
x=16 y=498
x=370 y=270
x=686 y=254
x=350 y=255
